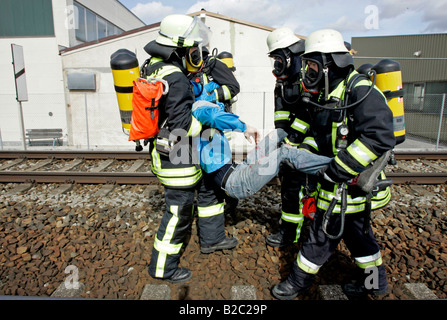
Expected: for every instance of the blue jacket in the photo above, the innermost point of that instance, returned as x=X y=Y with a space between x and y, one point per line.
x=214 y=148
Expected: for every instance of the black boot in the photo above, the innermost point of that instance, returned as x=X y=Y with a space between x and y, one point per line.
x=285 y=237
x=180 y=275
x=285 y=291
x=225 y=244
x=358 y=288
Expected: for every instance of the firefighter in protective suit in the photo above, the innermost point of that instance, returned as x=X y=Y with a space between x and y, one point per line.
x=176 y=50
x=352 y=123
x=285 y=49
x=215 y=82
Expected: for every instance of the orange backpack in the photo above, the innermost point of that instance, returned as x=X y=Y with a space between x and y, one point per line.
x=144 y=119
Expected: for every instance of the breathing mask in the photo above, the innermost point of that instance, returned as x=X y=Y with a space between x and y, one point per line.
x=315 y=74
x=194 y=59
x=281 y=62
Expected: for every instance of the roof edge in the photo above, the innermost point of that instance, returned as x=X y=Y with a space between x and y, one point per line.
x=154 y=25
x=105 y=39
x=244 y=22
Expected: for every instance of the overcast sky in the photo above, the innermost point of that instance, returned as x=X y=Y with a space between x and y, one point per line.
x=353 y=18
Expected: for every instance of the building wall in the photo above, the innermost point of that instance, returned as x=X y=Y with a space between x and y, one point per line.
x=253 y=71
x=423 y=60
x=47 y=106
x=422 y=68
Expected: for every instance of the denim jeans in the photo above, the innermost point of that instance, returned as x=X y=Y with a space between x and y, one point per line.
x=262 y=165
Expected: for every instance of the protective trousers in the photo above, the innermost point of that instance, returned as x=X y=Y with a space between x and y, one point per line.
x=176 y=221
x=317 y=248
x=292 y=182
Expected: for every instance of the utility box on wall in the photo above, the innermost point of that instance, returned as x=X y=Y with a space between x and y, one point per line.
x=81 y=81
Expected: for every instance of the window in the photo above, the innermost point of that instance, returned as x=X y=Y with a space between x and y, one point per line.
x=90 y=27
x=418 y=95
x=80 y=22
x=102 y=28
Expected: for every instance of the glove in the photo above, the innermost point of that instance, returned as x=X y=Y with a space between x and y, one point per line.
x=207 y=97
x=210 y=87
x=252 y=134
x=322 y=174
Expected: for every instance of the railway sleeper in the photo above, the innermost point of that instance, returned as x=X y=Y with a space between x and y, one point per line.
x=417 y=291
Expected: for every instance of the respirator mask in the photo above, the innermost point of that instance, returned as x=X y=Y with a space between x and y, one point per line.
x=281 y=61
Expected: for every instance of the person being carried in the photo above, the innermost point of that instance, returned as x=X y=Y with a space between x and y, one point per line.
x=261 y=164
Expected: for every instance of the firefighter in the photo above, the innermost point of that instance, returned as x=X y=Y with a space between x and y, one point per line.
x=175 y=52
x=215 y=82
x=351 y=122
x=227 y=58
x=285 y=49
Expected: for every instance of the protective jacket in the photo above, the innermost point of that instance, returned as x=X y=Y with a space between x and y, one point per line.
x=370 y=134
x=176 y=116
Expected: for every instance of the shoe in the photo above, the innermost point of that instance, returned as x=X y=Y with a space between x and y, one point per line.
x=227 y=243
x=180 y=275
x=278 y=240
x=285 y=291
x=357 y=291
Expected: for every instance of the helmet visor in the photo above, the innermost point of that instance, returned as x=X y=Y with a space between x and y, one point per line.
x=196 y=33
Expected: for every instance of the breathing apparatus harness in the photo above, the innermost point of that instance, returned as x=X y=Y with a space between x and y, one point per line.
x=342 y=134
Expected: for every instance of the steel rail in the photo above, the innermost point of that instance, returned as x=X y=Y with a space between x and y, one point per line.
x=418 y=177
x=92 y=155
x=129 y=155
x=149 y=178
x=78 y=177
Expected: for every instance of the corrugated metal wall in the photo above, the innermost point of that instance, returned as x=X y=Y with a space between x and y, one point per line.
x=425 y=68
x=26 y=18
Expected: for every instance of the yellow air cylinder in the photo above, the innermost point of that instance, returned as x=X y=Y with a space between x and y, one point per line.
x=389 y=81
x=125 y=70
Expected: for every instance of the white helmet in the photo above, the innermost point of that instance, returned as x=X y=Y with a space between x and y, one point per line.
x=281 y=38
x=325 y=41
x=179 y=30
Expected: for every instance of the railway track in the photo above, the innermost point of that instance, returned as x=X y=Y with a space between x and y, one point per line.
x=106 y=232
x=134 y=168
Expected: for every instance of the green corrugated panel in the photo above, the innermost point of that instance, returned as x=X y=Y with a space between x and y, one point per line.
x=26 y=18
x=414 y=69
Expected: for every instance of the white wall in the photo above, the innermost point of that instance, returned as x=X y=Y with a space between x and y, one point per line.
x=47 y=107
x=45 y=88
x=253 y=72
